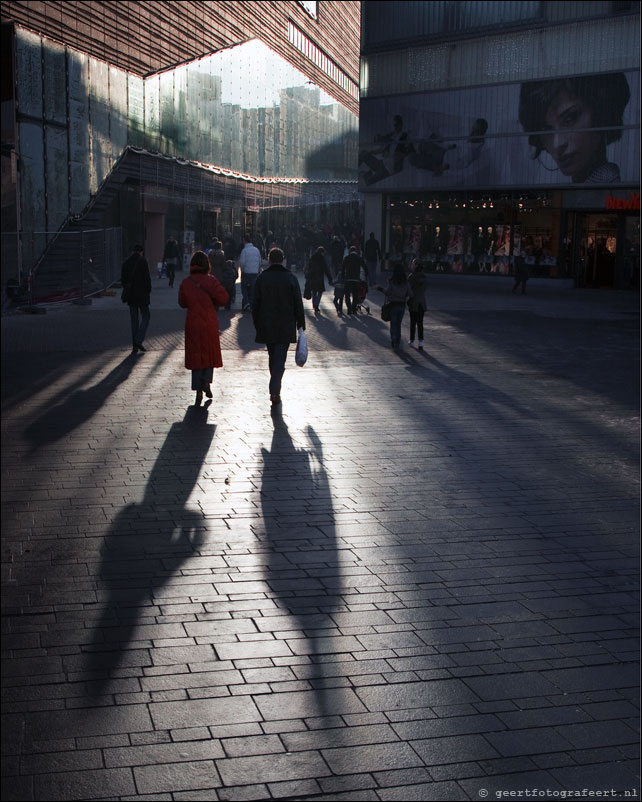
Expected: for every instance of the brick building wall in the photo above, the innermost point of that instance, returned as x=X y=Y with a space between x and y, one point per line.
x=143 y=37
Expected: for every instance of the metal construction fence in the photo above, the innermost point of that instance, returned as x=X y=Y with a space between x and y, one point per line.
x=44 y=267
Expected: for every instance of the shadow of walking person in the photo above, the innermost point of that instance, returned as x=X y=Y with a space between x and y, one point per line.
x=80 y=407
x=143 y=551
x=304 y=573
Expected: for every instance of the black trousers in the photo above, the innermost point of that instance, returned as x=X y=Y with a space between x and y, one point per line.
x=170 y=265
x=351 y=295
x=417 y=322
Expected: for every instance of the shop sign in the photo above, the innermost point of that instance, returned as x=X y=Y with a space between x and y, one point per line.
x=632 y=202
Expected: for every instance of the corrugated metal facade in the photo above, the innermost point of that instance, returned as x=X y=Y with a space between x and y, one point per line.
x=143 y=37
x=387 y=26
x=495 y=129
x=219 y=83
x=243 y=108
x=574 y=49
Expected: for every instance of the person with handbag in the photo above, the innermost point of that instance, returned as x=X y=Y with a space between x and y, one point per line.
x=397 y=294
x=277 y=313
x=201 y=293
x=137 y=286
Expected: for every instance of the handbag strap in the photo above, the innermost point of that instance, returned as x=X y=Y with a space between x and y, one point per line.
x=204 y=290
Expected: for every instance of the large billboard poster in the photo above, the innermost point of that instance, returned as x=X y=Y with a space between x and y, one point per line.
x=562 y=132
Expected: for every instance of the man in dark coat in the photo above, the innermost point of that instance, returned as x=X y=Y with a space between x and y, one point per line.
x=277 y=312
x=337 y=249
x=170 y=257
x=137 y=286
x=217 y=259
x=372 y=253
x=351 y=269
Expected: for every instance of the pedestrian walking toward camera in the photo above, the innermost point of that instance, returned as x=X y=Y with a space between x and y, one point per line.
x=522 y=273
x=277 y=312
x=372 y=254
x=315 y=277
x=137 y=286
x=170 y=257
x=397 y=294
x=417 y=303
x=250 y=262
x=201 y=293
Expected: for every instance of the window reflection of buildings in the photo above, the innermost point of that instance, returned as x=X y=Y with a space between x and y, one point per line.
x=189 y=112
x=80 y=115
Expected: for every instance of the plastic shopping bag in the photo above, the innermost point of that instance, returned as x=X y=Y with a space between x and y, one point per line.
x=301 y=354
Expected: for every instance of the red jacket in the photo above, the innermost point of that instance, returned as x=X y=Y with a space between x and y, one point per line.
x=200 y=294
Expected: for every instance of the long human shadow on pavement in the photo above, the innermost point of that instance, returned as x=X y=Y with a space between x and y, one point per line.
x=145 y=547
x=302 y=569
x=59 y=421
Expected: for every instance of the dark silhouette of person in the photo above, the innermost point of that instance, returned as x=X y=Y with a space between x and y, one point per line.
x=147 y=543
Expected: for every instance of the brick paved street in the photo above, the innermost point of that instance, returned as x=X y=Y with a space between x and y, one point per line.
x=418 y=582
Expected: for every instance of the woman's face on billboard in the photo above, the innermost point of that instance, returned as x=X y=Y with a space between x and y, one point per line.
x=576 y=151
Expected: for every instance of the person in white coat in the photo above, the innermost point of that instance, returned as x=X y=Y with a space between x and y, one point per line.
x=250 y=262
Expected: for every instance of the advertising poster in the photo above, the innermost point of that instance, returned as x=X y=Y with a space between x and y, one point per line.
x=554 y=133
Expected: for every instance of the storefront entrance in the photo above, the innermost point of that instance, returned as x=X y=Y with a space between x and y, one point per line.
x=597 y=249
x=607 y=250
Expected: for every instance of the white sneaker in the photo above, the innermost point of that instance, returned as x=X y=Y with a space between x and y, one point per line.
x=411 y=342
x=420 y=346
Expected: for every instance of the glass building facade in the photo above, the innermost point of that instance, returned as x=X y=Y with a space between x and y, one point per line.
x=490 y=130
x=239 y=115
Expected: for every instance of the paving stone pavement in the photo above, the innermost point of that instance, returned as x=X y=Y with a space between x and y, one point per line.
x=417 y=582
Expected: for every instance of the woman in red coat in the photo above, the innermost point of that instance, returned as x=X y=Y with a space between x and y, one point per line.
x=200 y=293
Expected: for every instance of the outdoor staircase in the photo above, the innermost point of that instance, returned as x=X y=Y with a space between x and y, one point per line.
x=76 y=260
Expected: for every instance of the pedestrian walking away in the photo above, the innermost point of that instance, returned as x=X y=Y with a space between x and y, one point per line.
x=315 y=278
x=397 y=294
x=277 y=313
x=372 y=255
x=170 y=257
x=351 y=268
x=417 y=303
x=217 y=260
x=250 y=262
x=230 y=274
x=337 y=252
x=201 y=293
x=137 y=286
x=339 y=292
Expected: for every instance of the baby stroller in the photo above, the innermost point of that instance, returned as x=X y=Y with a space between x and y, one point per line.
x=363 y=291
